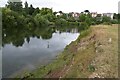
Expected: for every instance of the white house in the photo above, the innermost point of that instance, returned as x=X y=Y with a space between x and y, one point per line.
x=111 y=15
x=75 y=14
x=58 y=14
x=94 y=14
x=86 y=13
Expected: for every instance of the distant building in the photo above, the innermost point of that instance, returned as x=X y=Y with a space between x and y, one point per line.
x=59 y=14
x=74 y=14
x=111 y=15
x=94 y=14
x=99 y=15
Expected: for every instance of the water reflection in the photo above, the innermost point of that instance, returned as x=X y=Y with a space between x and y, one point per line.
x=24 y=49
x=18 y=36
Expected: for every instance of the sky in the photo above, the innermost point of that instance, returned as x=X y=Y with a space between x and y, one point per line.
x=100 y=6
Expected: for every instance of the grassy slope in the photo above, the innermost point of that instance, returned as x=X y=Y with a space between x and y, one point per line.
x=106 y=60
x=91 y=55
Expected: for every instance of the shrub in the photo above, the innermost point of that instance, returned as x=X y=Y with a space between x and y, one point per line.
x=107 y=23
x=91 y=68
x=115 y=21
x=84 y=26
x=41 y=20
x=61 y=22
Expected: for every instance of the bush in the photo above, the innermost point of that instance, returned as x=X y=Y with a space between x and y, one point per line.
x=107 y=23
x=106 y=19
x=88 y=21
x=91 y=68
x=61 y=22
x=93 y=23
x=41 y=20
x=84 y=26
x=115 y=21
x=11 y=18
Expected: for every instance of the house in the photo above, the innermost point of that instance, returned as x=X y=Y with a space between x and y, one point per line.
x=72 y=14
x=94 y=14
x=99 y=17
x=75 y=14
x=111 y=15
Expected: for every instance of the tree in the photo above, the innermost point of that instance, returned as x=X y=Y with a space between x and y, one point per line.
x=54 y=13
x=60 y=12
x=61 y=22
x=84 y=26
x=15 y=6
x=41 y=20
x=26 y=7
x=37 y=10
x=50 y=17
x=31 y=10
x=45 y=11
x=11 y=18
x=88 y=21
x=118 y=15
x=64 y=16
x=82 y=18
x=87 y=11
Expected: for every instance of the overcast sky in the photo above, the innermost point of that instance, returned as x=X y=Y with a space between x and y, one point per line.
x=100 y=6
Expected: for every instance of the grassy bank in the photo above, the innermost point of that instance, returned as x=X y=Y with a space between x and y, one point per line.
x=93 y=54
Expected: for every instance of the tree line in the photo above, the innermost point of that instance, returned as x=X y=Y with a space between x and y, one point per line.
x=15 y=15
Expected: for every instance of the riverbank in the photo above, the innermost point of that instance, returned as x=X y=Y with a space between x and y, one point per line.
x=93 y=54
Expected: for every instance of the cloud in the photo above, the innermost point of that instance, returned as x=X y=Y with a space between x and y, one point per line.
x=75 y=5
x=41 y=3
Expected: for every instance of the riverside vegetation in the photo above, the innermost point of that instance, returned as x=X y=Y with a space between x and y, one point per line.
x=93 y=54
x=14 y=15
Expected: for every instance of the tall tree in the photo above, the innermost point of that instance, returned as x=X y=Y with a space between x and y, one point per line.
x=37 y=10
x=87 y=11
x=26 y=7
x=26 y=4
x=15 y=5
x=60 y=12
x=45 y=11
x=31 y=9
x=82 y=18
x=54 y=13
